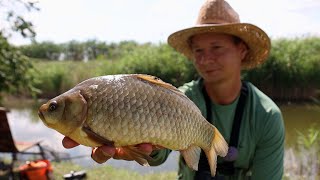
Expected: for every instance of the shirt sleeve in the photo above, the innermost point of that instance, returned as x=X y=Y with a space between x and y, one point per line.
x=268 y=159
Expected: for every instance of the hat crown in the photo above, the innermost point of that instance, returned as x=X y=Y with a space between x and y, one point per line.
x=217 y=12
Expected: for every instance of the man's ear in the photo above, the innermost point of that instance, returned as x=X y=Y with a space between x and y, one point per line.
x=243 y=50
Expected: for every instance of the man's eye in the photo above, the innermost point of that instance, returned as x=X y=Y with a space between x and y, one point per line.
x=216 y=47
x=53 y=106
x=197 y=50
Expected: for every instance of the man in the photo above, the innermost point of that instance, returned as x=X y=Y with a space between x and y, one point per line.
x=220 y=47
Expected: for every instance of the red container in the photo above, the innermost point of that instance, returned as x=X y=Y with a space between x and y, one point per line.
x=37 y=170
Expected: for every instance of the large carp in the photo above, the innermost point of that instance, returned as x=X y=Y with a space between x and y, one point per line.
x=126 y=110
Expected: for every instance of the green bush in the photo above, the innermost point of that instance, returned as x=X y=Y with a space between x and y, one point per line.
x=54 y=78
x=158 y=60
x=292 y=71
x=292 y=63
x=13 y=69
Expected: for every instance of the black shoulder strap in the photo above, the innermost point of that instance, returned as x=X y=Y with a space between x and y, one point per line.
x=225 y=167
x=234 y=138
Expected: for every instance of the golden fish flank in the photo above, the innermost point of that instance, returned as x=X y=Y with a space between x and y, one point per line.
x=125 y=110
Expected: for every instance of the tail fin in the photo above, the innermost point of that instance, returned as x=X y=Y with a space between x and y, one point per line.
x=218 y=147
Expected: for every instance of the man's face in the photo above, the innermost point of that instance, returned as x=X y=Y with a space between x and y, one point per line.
x=217 y=57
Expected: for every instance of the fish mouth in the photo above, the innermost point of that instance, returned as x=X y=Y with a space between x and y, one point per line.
x=40 y=112
x=41 y=115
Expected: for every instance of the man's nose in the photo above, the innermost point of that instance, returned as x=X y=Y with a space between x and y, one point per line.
x=206 y=58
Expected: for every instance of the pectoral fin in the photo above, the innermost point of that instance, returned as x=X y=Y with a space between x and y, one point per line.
x=125 y=152
x=96 y=137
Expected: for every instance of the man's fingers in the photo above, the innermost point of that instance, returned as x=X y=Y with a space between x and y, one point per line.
x=102 y=154
x=147 y=148
x=69 y=143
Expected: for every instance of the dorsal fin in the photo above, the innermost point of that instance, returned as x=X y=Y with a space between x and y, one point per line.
x=157 y=81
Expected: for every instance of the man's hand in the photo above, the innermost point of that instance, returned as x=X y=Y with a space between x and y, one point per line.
x=105 y=152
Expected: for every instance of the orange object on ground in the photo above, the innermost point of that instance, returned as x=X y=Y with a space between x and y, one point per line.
x=39 y=170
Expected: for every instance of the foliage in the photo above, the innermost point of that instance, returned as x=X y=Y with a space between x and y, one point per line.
x=13 y=64
x=13 y=69
x=78 y=51
x=291 y=62
x=14 y=20
x=158 y=60
x=292 y=70
x=306 y=161
x=96 y=49
x=310 y=140
x=54 y=78
x=122 y=48
x=45 y=50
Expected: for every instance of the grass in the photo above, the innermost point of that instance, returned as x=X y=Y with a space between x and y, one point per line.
x=103 y=172
x=108 y=172
x=303 y=162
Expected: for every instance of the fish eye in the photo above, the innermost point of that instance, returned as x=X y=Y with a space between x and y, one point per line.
x=53 y=106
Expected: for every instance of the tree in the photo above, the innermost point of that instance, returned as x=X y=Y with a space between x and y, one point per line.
x=13 y=68
x=13 y=11
x=13 y=65
x=45 y=50
x=75 y=50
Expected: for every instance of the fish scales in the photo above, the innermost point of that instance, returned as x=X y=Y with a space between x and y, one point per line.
x=148 y=112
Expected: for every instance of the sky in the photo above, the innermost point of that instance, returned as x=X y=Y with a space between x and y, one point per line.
x=153 y=21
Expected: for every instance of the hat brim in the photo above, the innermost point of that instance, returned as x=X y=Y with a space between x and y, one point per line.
x=256 y=39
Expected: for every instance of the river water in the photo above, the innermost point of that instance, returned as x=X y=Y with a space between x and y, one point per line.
x=26 y=126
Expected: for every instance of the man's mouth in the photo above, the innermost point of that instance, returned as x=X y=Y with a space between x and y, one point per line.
x=211 y=70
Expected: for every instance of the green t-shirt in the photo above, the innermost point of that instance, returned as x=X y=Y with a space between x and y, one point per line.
x=261 y=137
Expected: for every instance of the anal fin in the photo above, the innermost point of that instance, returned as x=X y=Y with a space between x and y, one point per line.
x=192 y=156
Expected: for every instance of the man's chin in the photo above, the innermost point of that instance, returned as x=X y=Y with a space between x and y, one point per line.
x=211 y=75
x=212 y=79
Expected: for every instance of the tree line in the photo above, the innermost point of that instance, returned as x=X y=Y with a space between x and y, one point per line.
x=78 y=51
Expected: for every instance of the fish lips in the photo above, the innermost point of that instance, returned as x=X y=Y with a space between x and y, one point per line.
x=41 y=115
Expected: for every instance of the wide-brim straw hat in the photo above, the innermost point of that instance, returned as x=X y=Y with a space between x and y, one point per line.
x=219 y=17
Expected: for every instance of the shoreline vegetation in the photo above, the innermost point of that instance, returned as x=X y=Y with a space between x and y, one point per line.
x=291 y=73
